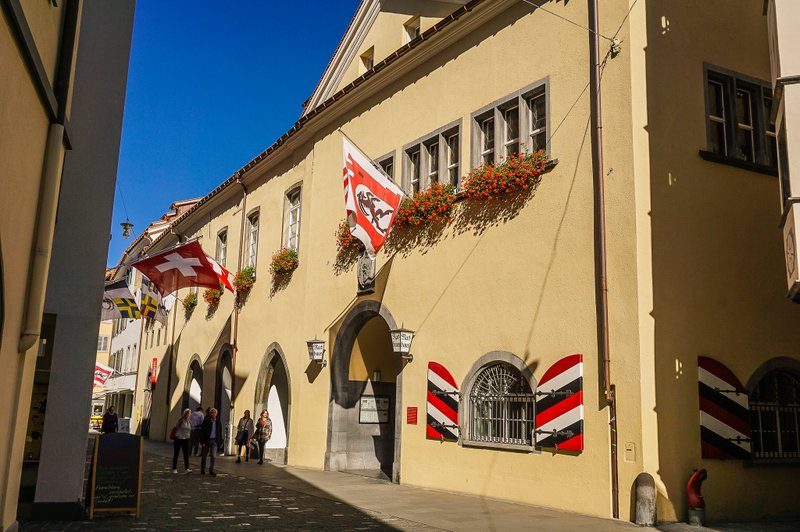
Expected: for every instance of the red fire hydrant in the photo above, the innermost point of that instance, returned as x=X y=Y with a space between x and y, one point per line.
x=697 y=505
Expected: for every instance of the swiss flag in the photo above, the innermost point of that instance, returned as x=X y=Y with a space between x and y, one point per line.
x=371 y=199
x=223 y=274
x=180 y=267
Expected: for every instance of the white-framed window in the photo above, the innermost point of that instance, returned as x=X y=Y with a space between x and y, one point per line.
x=411 y=29
x=512 y=125
x=252 y=240
x=775 y=417
x=292 y=236
x=222 y=247
x=102 y=342
x=433 y=158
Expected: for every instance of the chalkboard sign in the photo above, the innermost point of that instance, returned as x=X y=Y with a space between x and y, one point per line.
x=115 y=483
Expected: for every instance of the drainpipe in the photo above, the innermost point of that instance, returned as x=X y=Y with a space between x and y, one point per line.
x=171 y=350
x=236 y=308
x=601 y=283
x=42 y=246
x=50 y=183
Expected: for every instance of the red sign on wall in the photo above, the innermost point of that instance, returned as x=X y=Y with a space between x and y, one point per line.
x=411 y=415
x=153 y=371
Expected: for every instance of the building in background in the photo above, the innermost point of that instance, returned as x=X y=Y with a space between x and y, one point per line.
x=504 y=395
x=98 y=390
x=61 y=104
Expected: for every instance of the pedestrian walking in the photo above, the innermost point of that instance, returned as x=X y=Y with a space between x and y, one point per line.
x=197 y=429
x=110 y=421
x=182 y=434
x=262 y=434
x=244 y=432
x=212 y=441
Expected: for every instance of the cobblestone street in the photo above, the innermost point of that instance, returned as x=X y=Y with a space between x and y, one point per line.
x=190 y=501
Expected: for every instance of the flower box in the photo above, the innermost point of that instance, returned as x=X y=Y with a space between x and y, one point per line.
x=284 y=261
x=518 y=172
x=190 y=302
x=244 y=279
x=435 y=203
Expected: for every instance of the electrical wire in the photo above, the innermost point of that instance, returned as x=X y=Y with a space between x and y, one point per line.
x=536 y=6
x=122 y=198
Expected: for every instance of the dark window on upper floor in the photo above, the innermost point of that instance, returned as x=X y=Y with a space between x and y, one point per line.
x=738 y=120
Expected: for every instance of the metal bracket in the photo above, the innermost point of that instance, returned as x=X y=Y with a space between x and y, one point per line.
x=439 y=392
x=737 y=392
x=436 y=425
x=564 y=393
x=567 y=433
x=739 y=439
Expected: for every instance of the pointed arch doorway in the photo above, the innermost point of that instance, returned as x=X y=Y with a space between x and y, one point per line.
x=193 y=392
x=273 y=393
x=364 y=411
x=222 y=393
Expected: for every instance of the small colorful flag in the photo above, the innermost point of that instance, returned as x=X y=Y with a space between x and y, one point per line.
x=101 y=373
x=152 y=306
x=118 y=302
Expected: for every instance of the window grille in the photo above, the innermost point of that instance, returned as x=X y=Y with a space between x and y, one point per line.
x=775 y=416
x=501 y=407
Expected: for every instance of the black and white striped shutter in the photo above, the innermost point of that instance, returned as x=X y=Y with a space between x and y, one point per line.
x=442 y=404
x=724 y=412
x=559 y=406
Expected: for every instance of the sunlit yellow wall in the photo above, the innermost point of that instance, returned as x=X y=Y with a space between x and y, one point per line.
x=23 y=130
x=694 y=253
x=717 y=255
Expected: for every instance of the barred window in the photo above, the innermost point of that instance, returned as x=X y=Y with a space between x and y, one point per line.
x=501 y=406
x=774 y=413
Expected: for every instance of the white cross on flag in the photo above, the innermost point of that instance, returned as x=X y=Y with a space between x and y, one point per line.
x=101 y=373
x=223 y=274
x=371 y=199
x=180 y=267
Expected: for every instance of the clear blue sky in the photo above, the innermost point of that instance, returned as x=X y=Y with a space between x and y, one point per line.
x=211 y=85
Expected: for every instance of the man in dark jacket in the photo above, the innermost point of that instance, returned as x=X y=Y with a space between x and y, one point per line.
x=110 y=421
x=212 y=441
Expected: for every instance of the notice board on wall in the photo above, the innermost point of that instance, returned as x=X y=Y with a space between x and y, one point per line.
x=115 y=480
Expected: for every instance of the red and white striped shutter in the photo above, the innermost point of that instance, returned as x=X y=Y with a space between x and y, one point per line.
x=559 y=406
x=442 y=404
x=724 y=412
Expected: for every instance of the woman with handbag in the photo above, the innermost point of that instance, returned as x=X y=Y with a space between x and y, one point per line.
x=263 y=433
x=181 y=434
x=244 y=432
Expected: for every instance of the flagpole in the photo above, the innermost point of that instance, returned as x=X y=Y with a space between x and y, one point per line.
x=169 y=366
x=145 y=255
x=374 y=163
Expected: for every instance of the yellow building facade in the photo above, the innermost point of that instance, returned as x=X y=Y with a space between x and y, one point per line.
x=504 y=294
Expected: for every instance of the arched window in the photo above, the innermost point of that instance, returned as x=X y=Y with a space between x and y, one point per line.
x=500 y=409
x=775 y=416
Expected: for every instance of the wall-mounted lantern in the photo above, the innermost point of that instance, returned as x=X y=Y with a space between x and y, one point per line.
x=401 y=343
x=316 y=351
x=126 y=228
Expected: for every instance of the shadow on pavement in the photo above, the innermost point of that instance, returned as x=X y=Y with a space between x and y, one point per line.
x=242 y=496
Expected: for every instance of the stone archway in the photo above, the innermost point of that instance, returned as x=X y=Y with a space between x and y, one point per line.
x=364 y=410
x=273 y=393
x=193 y=385
x=224 y=384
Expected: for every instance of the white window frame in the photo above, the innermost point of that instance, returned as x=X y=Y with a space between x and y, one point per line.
x=253 y=222
x=495 y=116
x=102 y=342
x=386 y=164
x=292 y=219
x=221 y=255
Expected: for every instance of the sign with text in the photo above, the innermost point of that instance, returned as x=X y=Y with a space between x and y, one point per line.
x=373 y=409
x=115 y=480
x=153 y=372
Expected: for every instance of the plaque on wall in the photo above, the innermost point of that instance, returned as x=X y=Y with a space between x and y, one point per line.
x=365 y=271
x=373 y=409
